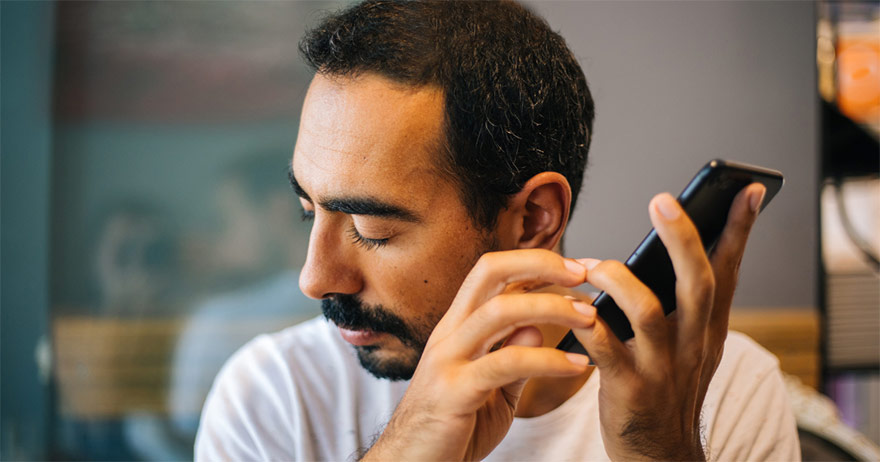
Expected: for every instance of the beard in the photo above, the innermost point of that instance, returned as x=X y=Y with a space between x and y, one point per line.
x=349 y=312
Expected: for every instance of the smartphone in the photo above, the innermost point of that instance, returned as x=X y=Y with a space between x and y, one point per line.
x=706 y=200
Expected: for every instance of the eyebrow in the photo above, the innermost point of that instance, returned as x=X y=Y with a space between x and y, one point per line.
x=296 y=187
x=358 y=205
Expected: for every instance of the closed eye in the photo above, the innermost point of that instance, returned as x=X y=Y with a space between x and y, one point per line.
x=366 y=242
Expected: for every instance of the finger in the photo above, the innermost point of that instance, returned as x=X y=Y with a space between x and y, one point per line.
x=525 y=336
x=515 y=363
x=694 y=279
x=528 y=336
x=606 y=351
x=495 y=271
x=639 y=304
x=502 y=315
x=728 y=253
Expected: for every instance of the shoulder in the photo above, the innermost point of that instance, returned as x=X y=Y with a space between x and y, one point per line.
x=745 y=368
x=746 y=413
x=741 y=353
x=272 y=360
x=254 y=410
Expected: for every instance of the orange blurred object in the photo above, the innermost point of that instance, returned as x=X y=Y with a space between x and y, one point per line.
x=858 y=77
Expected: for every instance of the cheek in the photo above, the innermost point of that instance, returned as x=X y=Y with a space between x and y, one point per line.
x=423 y=277
x=438 y=274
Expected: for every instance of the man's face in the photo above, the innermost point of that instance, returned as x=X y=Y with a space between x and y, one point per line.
x=391 y=242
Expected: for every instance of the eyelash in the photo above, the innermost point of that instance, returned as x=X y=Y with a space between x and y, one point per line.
x=366 y=242
x=356 y=237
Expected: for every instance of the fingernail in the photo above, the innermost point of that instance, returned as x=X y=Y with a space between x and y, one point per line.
x=573 y=266
x=756 y=199
x=583 y=308
x=577 y=359
x=667 y=206
x=589 y=263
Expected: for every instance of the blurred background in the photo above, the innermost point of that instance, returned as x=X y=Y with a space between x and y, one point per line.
x=148 y=230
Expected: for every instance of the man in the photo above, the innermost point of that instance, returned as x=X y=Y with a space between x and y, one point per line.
x=440 y=153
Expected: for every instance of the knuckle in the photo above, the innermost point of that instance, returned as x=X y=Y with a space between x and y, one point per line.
x=485 y=262
x=541 y=300
x=691 y=239
x=708 y=280
x=545 y=258
x=701 y=281
x=543 y=254
x=614 y=265
x=561 y=303
x=608 y=269
x=704 y=287
x=484 y=266
x=494 y=309
x=649 y=303
x=507 y=359
x=649 y=318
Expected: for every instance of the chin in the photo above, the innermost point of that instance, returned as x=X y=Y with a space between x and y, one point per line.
x=388 y=365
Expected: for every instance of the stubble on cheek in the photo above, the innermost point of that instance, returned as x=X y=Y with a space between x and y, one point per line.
x=398 y=361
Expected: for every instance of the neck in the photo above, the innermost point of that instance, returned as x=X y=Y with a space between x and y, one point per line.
x=544 y=394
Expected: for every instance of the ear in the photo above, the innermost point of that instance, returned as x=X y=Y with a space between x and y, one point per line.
x=537 y=215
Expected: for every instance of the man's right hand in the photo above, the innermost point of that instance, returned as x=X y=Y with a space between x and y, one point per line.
x=463 y=394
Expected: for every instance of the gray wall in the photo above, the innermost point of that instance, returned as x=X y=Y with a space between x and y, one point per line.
x=679 y=83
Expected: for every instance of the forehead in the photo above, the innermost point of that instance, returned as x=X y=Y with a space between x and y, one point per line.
x=367 y=134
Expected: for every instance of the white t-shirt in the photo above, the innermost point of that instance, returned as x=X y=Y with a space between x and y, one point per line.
x=300 y=394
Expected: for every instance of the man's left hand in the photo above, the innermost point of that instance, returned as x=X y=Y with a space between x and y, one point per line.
x=652 y=387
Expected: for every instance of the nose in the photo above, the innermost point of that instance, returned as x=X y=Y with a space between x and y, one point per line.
x=328 y=268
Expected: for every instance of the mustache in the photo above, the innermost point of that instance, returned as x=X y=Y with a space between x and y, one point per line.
x=349 y=312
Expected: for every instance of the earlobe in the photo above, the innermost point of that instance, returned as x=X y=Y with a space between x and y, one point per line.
x=544 y=207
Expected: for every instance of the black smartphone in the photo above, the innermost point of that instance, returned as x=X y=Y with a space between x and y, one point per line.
x=706 y=200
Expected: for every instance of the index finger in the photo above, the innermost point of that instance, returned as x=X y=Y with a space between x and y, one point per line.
x=495 y=272
x=728 y=252
x=694 y=278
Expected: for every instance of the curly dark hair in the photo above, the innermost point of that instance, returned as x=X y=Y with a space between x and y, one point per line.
x=516 y=101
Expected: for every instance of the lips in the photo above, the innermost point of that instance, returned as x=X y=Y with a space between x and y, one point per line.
x=360 y=337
